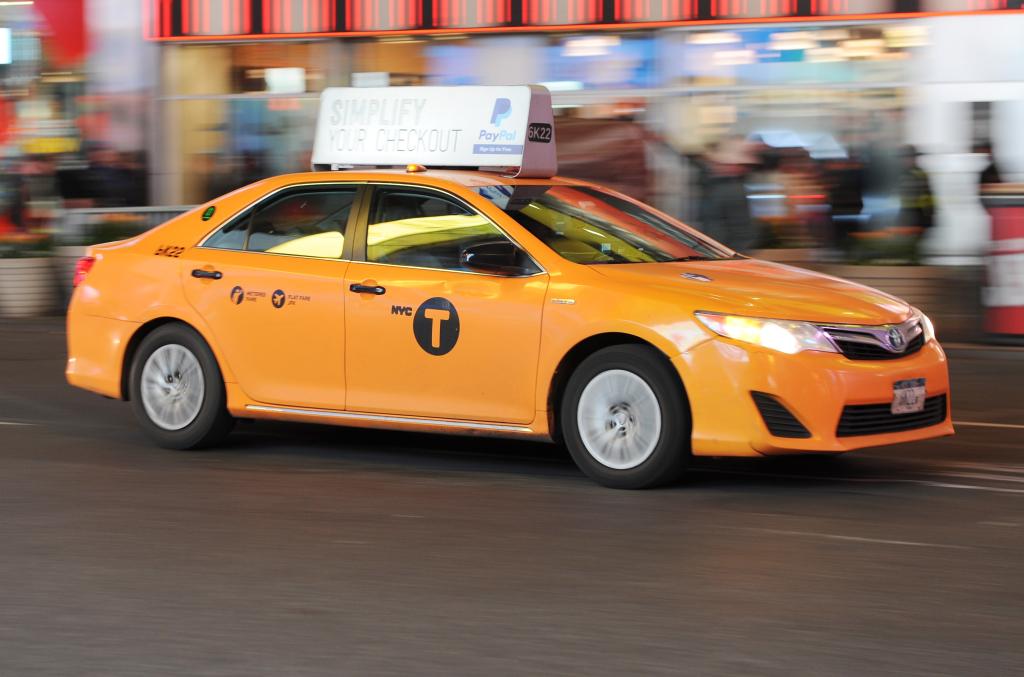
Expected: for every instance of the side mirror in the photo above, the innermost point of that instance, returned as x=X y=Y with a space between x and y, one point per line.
x=495 y=258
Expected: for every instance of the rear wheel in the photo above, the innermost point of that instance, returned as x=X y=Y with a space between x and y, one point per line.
x=625 y=419
x=177 y=391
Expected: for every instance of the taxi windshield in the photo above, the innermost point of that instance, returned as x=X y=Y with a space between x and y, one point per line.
x=590 y=226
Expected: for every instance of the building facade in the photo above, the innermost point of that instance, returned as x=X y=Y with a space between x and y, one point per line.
x=238 y=82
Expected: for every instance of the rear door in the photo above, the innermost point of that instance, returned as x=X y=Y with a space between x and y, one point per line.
x=270 y=286
x=425 y=336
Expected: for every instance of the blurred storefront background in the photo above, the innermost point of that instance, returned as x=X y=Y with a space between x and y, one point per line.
x=829 y=131
x=815 y=101
x=77 y=82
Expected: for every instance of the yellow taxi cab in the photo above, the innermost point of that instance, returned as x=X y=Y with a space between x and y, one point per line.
x=502 y=301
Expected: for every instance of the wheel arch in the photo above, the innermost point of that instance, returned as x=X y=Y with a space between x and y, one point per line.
x=144 y=330
x=581 y=351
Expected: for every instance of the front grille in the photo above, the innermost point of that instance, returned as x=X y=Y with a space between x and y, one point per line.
x=779 y=420
x=874 y=419
x=865 y=351
x=877 y=342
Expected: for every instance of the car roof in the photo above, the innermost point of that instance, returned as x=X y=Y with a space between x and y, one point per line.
x=464 y=177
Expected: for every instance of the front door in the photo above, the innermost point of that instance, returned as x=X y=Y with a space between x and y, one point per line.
x=270 y=286
x=427 y=337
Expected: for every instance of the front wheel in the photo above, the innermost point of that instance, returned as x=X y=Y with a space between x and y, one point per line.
x=625 y=419
x=176 y=389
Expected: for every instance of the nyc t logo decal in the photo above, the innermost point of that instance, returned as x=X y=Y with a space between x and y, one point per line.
x=436 y=326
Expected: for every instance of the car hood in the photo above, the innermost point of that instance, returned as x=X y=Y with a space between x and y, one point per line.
x=764 y=289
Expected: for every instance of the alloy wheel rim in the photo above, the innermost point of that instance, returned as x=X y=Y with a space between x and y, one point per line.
x=172 y=387
x=619 y=419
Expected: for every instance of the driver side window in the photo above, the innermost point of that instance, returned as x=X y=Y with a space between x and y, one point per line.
x=423 y=229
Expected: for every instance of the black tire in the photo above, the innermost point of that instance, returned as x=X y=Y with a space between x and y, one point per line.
x=213 y=422
x=671 y=453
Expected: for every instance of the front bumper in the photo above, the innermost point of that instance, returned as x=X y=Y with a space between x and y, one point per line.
x=720 y=376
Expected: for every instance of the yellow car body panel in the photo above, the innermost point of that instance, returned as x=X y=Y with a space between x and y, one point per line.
x=294 y=343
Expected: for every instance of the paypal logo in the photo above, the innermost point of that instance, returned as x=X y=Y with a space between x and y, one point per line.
x=502 y=109
x=499 y=136
x=495 y=139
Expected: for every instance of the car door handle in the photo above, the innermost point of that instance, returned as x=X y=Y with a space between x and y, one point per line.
x=208 y=274
x=367 y=289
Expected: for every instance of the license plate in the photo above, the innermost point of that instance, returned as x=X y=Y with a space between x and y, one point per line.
x=908 y=396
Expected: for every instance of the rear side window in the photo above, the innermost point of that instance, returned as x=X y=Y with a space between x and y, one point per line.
x=423 y=229
x=231 y=236
x=306 y=223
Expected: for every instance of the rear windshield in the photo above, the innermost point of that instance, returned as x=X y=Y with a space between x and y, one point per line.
x=590 y=226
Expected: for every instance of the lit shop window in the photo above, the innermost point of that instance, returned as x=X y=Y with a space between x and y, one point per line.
x=471 y=13
x=752 y=8
x=961 y=5
x=215 y=17
x=831 y=7
x=645 y=10
x=156 y=18
x=299 y=16
x=561 y=12
x=383 y=15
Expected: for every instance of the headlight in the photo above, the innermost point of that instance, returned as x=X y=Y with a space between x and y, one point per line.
x=781 y=335
x=926 y=324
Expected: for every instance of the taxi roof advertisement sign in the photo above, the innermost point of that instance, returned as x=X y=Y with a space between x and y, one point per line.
x=505 y=128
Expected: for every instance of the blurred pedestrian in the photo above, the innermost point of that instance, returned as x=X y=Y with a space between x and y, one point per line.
x=16 y=196
x=132 y=167
x=252 y=168
x=802 y=184
x=916 y=201
x=989 y=175
x=39 y=197
x=73 y=183
x=97 y=177
x=725 y=211
x=844 y=182
x=703 y=171
x=8 y=209
x=223 y=173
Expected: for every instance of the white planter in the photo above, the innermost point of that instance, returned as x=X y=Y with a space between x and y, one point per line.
x=26 y=287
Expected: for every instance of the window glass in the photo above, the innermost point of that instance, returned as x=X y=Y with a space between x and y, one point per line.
x=231 y=236
x=587 y=225
x=408 y=227
x=300 y=224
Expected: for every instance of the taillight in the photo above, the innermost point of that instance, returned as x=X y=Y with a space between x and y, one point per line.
x=82 y=269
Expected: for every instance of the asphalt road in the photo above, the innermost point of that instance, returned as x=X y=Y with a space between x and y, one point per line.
x=301 y=550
